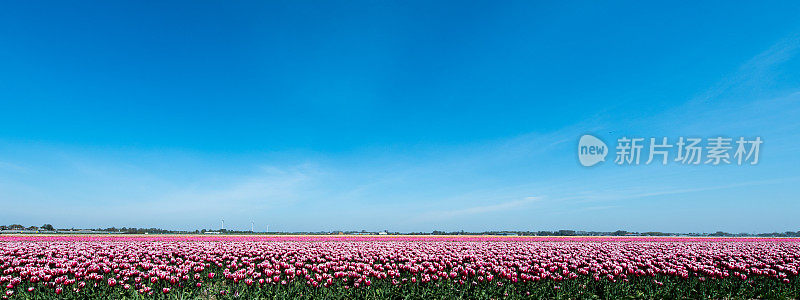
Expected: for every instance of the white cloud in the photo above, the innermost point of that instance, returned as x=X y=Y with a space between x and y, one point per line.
x=753 y=73
x=13 y=167
x=270 y=186
x=476 y=210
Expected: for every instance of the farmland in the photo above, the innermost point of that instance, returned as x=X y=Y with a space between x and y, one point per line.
x=413 y=267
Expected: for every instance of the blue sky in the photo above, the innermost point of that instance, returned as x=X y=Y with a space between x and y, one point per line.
x=406 y=116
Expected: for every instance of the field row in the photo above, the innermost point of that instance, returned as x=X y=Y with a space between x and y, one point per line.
x=399 y=269
x=370 y=238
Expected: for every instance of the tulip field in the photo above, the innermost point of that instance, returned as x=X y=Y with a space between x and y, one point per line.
x=395 y=267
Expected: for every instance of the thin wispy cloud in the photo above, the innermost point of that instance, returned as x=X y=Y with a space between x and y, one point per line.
x=478 y=210
x=13 y=167
x=753 y=74
x=639 y=192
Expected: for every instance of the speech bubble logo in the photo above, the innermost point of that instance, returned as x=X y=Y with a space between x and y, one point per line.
x=591 y=150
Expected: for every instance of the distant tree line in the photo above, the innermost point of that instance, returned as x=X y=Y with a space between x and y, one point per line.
x=46 y=227
x=564 y=232
x=609 y=233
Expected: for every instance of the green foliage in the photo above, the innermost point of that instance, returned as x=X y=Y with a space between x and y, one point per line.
x=581 y=288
